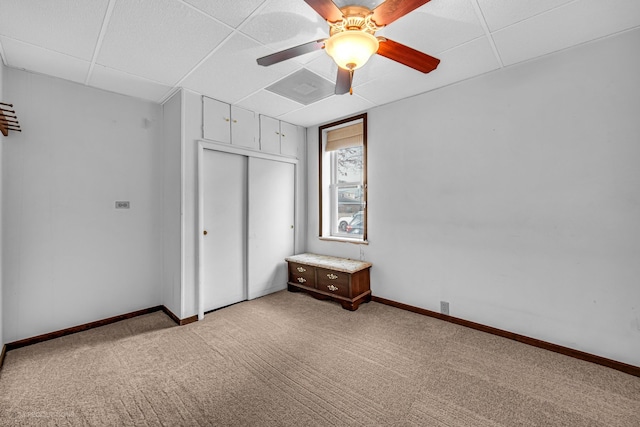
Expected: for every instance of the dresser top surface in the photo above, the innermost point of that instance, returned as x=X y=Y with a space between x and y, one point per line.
x=333 y=263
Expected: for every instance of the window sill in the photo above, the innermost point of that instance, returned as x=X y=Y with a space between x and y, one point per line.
x=344 y=239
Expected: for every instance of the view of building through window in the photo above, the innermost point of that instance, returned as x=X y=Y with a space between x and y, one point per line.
x=349 y=190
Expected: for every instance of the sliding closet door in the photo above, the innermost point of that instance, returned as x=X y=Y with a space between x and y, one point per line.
x=225 y=217
x=271 y=217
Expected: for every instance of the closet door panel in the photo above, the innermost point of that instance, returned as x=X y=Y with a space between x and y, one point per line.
x=225 y=218
x=271 y=220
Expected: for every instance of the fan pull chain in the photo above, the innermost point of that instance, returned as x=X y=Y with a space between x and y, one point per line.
x=351 y=81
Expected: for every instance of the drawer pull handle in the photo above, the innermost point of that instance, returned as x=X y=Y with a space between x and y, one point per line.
x=332 y=288
x=301 y=270
x=301 y=279
x=332 y=276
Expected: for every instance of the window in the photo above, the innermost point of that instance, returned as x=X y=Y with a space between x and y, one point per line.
x=343 y=179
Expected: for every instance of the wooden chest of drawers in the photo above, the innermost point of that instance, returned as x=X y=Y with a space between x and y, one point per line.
x=325 y=277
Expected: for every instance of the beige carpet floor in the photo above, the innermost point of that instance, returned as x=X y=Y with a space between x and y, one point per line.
x=290 y=360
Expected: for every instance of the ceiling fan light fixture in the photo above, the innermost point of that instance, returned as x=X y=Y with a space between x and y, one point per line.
x=351 y=49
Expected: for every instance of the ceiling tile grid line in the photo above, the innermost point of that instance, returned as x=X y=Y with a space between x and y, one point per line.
x=487 y=31
x=204 y=13
x=234 y=31
x=103 y=30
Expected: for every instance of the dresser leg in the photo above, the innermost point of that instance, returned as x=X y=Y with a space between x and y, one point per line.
x=293 y=288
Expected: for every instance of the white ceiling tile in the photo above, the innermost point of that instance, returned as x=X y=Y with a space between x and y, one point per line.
x=232 y=72
x=120 y=82
x=436 y=26
x=231 y=12
x=284 y=23
x=327 y=109
x=158 y=39
x=65 y=26
x=468 y=60
x=33 y=58
x=501 y=13
x=269 y=104
x=566 y=26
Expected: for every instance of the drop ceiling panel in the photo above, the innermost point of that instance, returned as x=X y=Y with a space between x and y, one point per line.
x=436 y=26
x=501 y=13
x=33 y=58
x=457 y=64
x=572 y=24
x=232 y=73
x=161 y=40
x=284 y=23
x=231 y=12
x=269 y=104
x=65 y=26
x=327 y=110
x=127 y=84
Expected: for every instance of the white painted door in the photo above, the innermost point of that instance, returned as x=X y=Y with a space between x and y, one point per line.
x=225 y=221
x=271 y=218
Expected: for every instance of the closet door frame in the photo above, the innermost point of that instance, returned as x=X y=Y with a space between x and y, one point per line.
x=207 y=145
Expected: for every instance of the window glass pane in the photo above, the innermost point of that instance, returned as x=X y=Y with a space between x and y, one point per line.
x=349 y=164
x=350 y=207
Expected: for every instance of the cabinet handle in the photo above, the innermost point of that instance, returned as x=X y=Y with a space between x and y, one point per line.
x=277 y=133
x=283 y=135
x=235 y=121
x=301 y=270
x=332 y=276
x=226 y=119
x=332 y=288
x=301 y=279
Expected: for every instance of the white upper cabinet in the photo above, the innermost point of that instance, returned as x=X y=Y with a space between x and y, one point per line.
x=279 y=137
x=269 y=134
x=216 y=120
x=229 y=124
x=290 y=136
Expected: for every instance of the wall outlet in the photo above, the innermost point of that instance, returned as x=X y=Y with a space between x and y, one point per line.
x=122 y=205
x=444 y=307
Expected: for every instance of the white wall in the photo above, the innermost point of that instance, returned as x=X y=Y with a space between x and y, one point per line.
x=171 y=204
x=514 y=197
x=69 y=256
x=1 y=185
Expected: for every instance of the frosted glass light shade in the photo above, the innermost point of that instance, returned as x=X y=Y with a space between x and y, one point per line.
x=351 y=49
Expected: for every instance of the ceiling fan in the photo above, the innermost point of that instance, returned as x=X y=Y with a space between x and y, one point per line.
x=352 y=39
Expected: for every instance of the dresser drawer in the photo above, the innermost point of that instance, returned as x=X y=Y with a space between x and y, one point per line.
x=302 y=274
x=335 y=282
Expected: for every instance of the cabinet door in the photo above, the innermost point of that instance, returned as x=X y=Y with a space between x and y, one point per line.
x=271 y=219
x=269 y=134
x=288 y=139
x=216 y=120
x=244 y=128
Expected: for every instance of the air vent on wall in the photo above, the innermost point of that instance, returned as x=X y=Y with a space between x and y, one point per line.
x=303 y=86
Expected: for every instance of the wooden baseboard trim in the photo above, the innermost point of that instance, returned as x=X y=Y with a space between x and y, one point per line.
x=176 y=319
x=79 y=328
x=2 y=353
x=613 y=364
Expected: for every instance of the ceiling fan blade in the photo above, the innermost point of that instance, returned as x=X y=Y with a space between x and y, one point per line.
x=343 y=81
x=292 y=52
x=326 y=8
x=407 y=56
x=391 y=10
